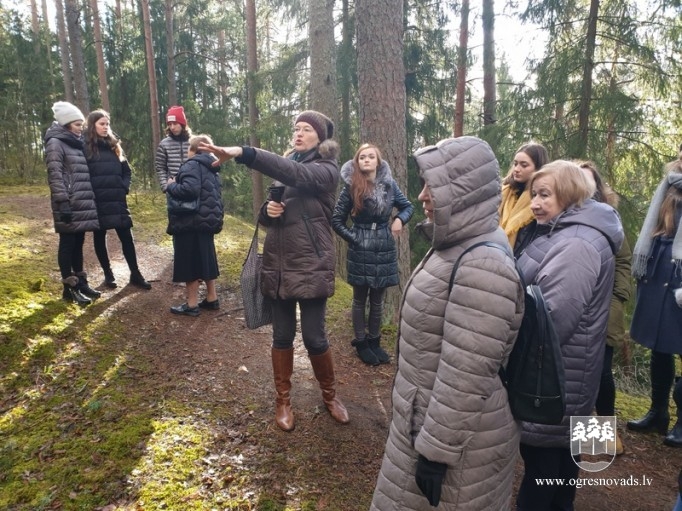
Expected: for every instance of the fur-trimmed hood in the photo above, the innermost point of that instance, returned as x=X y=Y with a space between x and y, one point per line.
x=329 y=150
x=384 y=174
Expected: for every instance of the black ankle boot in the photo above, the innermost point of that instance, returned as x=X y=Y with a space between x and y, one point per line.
x=655 y=420
x=375 y=345
x=71 y=292
x=365 y=352
x=84 y=287
x=110 y=279
x=674 y=438
x=136 y=279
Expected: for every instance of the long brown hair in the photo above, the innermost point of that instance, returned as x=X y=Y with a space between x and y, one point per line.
x=673 y=200
x=91 y=137
x=536 y=152
x=604 y=192
x=360 y=186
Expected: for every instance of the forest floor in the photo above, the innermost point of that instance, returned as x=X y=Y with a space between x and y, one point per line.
x=200 y=391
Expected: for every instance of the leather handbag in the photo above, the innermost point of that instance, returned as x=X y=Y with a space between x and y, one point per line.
x=257 y=308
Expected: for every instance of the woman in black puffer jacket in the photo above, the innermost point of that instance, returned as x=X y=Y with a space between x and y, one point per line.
x=369 y=197
x=110 y=177
x=193 y=244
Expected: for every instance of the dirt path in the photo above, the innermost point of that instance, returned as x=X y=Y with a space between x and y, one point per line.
x=222 y=371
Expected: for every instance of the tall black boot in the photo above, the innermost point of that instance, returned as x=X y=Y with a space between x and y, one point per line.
x=109 y=278
x=657 y=419
x=84 y=287
x=71 y=292
x=674 y=438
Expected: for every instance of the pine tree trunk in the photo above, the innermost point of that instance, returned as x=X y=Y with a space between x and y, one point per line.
x=252 y=93
x=64 y=54
x=489 y=92
x=458 y=130
x=170 y=55
x=80 y=80
x=151 y=74
x=101 y=69
x=381 y=86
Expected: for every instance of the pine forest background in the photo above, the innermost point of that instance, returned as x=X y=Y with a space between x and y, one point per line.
x=605 y=86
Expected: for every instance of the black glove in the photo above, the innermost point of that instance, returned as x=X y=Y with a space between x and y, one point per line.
x=65 y=213
x=429 y=478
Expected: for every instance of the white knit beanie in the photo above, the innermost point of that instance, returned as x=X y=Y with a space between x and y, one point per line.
x=65 y=112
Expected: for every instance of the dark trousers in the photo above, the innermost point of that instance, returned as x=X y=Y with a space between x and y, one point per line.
x=70 y=253
x=546 y=463
x=606 y=398
x=376 y=308
x=125 y=235
x=312 y=324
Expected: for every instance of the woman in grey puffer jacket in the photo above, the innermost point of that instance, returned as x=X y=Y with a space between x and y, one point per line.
x=369 y=197
x=572 y=260
x=453 y=442
x=73 y=200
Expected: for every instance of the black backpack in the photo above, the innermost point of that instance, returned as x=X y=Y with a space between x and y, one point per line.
x=534 y=377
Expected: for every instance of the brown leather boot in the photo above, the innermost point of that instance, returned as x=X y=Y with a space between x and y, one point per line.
x=323 y=367
x=282 y=368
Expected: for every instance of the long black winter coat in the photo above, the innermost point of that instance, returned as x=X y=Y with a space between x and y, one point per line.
x=197 y=178
x=110 y=178
x=69 y=181
x=372 y=258
x=657 y=319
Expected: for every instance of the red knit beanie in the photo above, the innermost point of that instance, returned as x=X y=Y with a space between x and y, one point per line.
x=176 y=114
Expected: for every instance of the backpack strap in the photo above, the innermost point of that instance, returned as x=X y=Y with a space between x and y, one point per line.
x=476 y=245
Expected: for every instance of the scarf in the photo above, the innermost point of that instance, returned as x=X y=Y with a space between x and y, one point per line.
x=642 y=250
x=514 y=212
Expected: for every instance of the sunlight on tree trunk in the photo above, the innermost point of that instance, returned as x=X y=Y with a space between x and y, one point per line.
x=80 y=79
x=153 y=95
x=101 y=69
x=64 y=54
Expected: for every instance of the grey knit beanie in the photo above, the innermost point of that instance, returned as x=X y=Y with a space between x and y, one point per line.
x=65 y=113
x=323 y=125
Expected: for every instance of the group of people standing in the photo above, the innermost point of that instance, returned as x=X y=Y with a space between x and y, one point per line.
x=89 y=179
x=452 y=441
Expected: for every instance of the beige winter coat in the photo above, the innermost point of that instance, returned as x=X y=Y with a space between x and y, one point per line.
x=449 y=404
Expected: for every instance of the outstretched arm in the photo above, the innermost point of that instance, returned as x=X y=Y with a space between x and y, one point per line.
x=222 y=153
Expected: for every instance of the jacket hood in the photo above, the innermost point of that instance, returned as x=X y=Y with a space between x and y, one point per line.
x=384 y=174
x=329 y=150
x=58 y=131
x=463 y=177
x=594 y=214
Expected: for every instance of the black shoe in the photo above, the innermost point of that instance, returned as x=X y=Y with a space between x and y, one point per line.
x=71 y=294
x=185 y=310
x=109 y=279
x=674 y=438
x=654 y=421
x=136 y=279
x=379 y=352
x=364 y=352
x=84 y=288
x=212 y=306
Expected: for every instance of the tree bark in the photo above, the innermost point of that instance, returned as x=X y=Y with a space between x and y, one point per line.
x=80 y=80
x=64 y=54
x=586 y=91
x=101 y=69
x=381 y=86
x=489 y=92
x=460 y=91
x=322 y=58
x=151 y=74
x=170 y=55
x=252 y=93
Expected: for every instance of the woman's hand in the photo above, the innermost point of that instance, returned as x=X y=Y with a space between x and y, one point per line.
x=396 y=227
x=222 y=153
x=275 y=209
